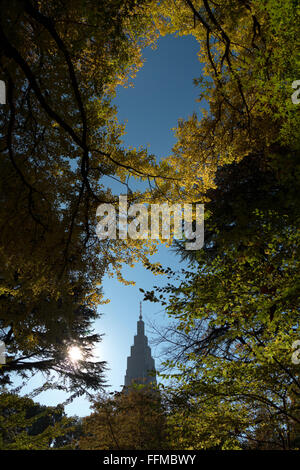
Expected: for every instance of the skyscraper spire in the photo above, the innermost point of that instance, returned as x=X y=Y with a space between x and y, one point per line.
x=140 y=363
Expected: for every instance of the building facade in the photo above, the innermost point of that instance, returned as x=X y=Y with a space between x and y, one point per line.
x=140 y=363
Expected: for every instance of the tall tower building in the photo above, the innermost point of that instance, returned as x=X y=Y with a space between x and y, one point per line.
x=140 y=363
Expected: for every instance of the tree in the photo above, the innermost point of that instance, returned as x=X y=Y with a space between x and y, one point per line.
x=236 y=311
x=194 y=426
x=248 y=53
x=61 y=63
x=26 y=425
x=133 y=419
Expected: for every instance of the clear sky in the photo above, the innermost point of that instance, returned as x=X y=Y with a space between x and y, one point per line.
x=163 y=93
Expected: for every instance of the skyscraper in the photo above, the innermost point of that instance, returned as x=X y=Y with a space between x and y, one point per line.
x=140 y=363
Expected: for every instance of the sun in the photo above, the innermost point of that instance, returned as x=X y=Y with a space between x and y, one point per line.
x=75 y=354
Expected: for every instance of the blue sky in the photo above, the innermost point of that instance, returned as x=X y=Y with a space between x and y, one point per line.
x=163 y=92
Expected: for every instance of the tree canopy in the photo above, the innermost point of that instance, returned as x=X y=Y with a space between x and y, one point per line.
x=236 y=311
x=61 y=63
x=131 y=419
x=26 y=425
